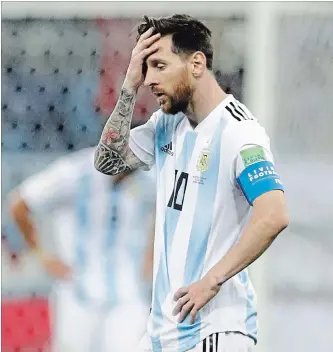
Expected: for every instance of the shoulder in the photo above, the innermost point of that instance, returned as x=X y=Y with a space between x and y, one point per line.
x=243 y=127
x=248 y=131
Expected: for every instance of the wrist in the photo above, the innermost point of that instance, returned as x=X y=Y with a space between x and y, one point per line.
x=214 y=279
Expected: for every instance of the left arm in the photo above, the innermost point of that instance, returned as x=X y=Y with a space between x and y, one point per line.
x=268 y=219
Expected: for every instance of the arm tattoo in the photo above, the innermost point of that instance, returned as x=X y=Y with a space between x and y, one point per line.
x=112 y=155
x=109 y=161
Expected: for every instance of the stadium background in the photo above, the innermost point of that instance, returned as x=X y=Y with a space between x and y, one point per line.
x=62 y=67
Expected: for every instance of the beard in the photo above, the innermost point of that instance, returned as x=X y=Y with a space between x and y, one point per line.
x=180 y=100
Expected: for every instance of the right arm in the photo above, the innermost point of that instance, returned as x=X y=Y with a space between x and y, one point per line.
x=21 y=215
x=23 y=218
x=113 y=154
x=39 y=193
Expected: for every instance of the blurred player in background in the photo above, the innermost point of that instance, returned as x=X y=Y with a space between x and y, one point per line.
x=103 y=229
x=220 y=202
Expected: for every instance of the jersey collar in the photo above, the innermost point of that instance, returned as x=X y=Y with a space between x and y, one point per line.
x=208 y=124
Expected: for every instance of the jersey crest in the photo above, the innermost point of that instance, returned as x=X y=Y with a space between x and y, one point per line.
x=203 y=161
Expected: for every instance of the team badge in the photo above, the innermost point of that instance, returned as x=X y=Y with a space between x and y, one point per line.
x=203 y=162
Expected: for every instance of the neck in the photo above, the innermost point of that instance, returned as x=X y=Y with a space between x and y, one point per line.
x=207 y=96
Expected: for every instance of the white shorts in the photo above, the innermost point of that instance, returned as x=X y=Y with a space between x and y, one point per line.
x=225 y=342
x=219 y=342
x=81 y=328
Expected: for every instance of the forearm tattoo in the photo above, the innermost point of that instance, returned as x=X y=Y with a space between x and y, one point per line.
x=112 y=150
x=109 y=161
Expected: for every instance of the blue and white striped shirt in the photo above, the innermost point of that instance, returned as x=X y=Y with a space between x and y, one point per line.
x=101 y=228
x=201 y=213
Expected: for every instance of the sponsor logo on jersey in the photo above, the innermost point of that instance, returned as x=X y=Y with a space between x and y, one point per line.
x=203 y=161
x=253 y=155
x=167 y=149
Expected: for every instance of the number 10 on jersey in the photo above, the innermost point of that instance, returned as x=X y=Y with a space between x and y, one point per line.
x=176 y=200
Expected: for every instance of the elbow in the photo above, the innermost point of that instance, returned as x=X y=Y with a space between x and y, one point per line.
x=111 y=165
x=271 y=211
x=278 y=222
x=110 y=171
x=106 y=163
x=98 y=166
x=97 y=161
x=274 y=221
x=100 y=163
x=283 y=221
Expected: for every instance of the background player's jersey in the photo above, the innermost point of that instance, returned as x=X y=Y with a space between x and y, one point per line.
x=207 y=178
x=101 y=229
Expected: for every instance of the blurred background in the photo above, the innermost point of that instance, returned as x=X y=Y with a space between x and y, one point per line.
x=62 y=67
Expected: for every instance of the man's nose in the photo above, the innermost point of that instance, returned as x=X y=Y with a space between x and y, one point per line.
x=150 y=79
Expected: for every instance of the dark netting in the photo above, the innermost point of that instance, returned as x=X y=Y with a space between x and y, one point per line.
x=61 y=80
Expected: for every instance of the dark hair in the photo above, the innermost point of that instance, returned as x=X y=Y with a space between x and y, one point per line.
x=188 y=34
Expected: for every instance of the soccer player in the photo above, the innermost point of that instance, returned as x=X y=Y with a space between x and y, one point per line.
x=220 y=201
x=101 y=229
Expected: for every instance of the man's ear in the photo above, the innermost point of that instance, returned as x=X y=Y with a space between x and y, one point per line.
x=198 y=63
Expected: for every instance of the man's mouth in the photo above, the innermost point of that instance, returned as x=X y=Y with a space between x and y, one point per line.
x=160 y=97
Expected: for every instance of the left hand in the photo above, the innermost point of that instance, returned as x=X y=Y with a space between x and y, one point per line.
x=192 y=298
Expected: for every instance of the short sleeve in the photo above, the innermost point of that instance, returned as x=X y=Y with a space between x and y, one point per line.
x=254 y=169
x=142 y=142
x=45 y=189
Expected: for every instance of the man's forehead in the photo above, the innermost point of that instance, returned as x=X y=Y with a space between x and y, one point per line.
x=164 y=48
x=164 y=44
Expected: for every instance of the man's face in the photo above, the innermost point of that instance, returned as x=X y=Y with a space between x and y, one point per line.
x=168 y=78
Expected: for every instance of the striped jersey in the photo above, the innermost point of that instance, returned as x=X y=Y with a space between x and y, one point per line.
x=101 y=228
x=207 y=180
